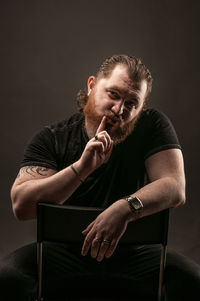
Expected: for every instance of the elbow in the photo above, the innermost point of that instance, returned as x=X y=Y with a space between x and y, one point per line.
x=17 y=207
x=18 y=212
x=180 y=199
x=15 y=203
x=22 y=213
x=20 y=206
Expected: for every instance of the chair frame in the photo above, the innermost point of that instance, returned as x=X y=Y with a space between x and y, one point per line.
x=137 y=232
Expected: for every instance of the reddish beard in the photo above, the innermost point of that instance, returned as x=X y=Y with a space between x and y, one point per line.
x=118 y=130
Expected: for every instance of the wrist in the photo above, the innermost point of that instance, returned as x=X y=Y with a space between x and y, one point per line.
x=136 y=206
x=82 y=171
x=128 y=213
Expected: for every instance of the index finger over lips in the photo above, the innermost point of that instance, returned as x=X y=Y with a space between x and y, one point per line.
x=102 y=125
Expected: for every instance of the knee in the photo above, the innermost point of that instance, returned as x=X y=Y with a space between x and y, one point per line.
x=181 y=265
x=15 y=285
x=182 y=277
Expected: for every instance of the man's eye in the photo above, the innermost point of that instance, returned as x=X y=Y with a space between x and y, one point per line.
x=113 y=95
x=130 y=104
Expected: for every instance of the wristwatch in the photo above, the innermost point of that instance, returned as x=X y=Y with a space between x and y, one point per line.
x=135 y=204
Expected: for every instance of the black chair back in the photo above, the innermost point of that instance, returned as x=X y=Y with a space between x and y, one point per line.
x=62 y=223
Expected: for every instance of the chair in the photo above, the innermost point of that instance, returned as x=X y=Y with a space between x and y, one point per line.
x=152 y=229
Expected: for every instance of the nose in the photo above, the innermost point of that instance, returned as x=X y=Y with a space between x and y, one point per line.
x=118 y=108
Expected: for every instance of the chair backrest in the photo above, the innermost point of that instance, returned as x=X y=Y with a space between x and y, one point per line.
x=62 y=223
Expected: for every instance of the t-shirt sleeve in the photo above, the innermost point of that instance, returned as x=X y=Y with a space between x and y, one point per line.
x=41 y=151
x=161 y=134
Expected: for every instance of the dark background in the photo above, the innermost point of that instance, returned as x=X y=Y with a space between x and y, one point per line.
x=48 y=50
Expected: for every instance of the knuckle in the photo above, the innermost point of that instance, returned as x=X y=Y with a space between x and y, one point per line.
x=87 y=240
x=95 y=242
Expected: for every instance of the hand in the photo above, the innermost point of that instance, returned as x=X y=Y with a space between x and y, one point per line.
x=97 y=150
x=104 y=233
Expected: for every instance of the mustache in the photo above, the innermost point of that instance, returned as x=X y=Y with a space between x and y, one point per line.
x=114 y=116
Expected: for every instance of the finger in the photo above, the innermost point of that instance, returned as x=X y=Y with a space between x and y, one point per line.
x=96 y=243
x=110 y=250
x=87 y=243
x=96 y=148
x=85 y=247
x=102 y=125
x=105 y=138
x=88 y=228
x=102 y=251
x=108 y=153
x=109 y=140
x=110 y=148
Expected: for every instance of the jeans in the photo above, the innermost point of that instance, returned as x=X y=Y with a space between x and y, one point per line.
x=130 y=270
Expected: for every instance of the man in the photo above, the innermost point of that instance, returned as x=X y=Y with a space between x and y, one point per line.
x=114 y=154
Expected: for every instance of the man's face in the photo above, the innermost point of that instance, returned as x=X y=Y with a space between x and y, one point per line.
x=118 y=99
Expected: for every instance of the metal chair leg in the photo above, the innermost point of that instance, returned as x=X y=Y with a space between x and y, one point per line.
x=39 y=262
x=162 y=267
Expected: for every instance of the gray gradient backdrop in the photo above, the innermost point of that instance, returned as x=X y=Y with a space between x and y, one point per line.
x=48 y=50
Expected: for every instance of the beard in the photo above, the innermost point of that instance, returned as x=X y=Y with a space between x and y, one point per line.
x=118 y=130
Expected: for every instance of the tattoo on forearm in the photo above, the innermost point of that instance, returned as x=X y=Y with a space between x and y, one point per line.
x=33 y=171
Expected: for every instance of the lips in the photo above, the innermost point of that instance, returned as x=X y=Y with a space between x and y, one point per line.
x=112 y=119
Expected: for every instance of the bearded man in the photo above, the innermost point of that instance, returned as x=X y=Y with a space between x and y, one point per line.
x=114 y=154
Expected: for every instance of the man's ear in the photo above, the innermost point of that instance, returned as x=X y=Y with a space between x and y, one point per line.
x=91 y=83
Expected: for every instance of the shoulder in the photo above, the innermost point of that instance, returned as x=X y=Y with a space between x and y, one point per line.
x=154 y=132
x=47 y=145
x=75 y=120
x=152 y=116
x=49 y=135
x=152 y=120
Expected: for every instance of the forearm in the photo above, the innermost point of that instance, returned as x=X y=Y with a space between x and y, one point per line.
x=58 y=186
x=55 y=188
x=163 y=193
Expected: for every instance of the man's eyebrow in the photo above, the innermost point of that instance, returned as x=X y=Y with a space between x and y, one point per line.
x=116 y=88
x=132 y=94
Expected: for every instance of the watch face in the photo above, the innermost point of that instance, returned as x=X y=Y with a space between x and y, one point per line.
x=135 y=203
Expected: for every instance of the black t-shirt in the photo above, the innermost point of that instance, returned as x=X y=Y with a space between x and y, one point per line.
x=59 y=145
